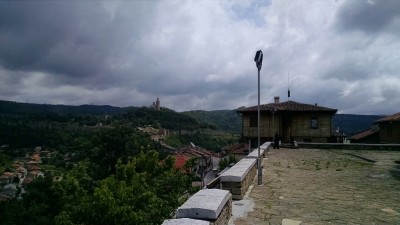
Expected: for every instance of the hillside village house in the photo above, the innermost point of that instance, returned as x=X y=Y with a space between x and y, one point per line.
x=203 y=160
x=293 y=121
x=389 y=129
x=369 y=136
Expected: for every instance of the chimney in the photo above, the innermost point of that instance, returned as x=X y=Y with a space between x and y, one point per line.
x=276 y=99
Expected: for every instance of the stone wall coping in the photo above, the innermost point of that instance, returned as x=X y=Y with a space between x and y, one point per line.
x=266 y=145
x=205 y=204
x=254 y=153
x=239 y=171
x=185 y=221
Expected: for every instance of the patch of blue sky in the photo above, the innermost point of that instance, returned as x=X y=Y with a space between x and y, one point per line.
x=250 y=10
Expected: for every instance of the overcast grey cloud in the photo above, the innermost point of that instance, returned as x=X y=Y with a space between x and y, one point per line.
x=199 y=54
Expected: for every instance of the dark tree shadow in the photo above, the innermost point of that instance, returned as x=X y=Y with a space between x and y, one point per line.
x=395 y=172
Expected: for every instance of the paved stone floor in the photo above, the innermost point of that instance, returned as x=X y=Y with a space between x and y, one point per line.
x=326 y=187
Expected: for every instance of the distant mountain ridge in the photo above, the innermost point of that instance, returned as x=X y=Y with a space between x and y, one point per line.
x=8 y=107
x=352 y=124
x=227 y=120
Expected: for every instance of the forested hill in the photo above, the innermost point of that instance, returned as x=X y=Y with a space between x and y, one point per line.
x=352 y=124
x=24 y=125
x=8 y=107
x=227 y=120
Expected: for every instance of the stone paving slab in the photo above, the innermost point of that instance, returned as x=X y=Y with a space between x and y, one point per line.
x=326 y=187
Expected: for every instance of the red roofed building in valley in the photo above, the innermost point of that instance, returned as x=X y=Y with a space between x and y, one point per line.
x=180 y=161
x=201 y=160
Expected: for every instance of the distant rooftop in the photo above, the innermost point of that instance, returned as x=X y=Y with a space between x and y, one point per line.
x=394 y=117
x=287 y=106
x=364 y=134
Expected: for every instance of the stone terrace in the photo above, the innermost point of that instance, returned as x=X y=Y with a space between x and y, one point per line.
x=325 y=187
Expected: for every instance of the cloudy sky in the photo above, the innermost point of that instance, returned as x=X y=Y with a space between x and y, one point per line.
x=199 y=54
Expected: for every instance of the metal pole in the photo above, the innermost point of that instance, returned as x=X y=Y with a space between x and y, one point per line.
x=258 y=131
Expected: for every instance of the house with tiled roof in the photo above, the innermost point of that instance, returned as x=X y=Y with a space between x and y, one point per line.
x=180 y=161
x=370 y=136
x=293 y=121
x=203 y=160
x=4 y=198
x=5 y=179
x=240 y=150
x=389 y=129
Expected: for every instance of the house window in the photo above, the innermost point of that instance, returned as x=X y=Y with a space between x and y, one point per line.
x=314 y=123
x=253 y=121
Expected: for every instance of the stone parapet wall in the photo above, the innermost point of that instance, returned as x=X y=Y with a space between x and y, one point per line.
x=239 y=177
x=254 y=153
x=239 y=171
x=212 y=205
x=225 y=215
x=266 y=146
x=354 y=146
x=239 y=189
x=185 y=221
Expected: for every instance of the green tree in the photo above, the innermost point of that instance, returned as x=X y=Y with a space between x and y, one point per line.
x=5 y=162
x=38 y=206
x=225 y=162
x=143 y=191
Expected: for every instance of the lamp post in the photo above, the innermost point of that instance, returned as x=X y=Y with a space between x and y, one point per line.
x=258 y=59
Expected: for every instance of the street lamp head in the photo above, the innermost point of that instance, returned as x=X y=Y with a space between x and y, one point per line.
x=258 y=59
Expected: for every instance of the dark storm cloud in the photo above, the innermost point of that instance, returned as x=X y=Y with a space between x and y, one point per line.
x=353 y=70
x=71 y=38
x=199 y=54
x=367 y=16
x=31 y=30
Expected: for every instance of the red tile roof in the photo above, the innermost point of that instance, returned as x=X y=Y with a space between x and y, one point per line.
x=363 y=134
x=35 y=157
x=4 y=197
x=189 y=153
x=33 y=167
x=241 y=149
x=8 y=174
x=287 y=106
x=197 y=151
x=394 y=117
x=180 y=160
x=27 y=180
x=4 y=177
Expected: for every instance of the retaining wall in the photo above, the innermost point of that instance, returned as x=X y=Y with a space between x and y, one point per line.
x=212 y=205
x=239 y=177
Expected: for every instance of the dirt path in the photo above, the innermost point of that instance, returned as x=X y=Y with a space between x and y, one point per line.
x=327 y=187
